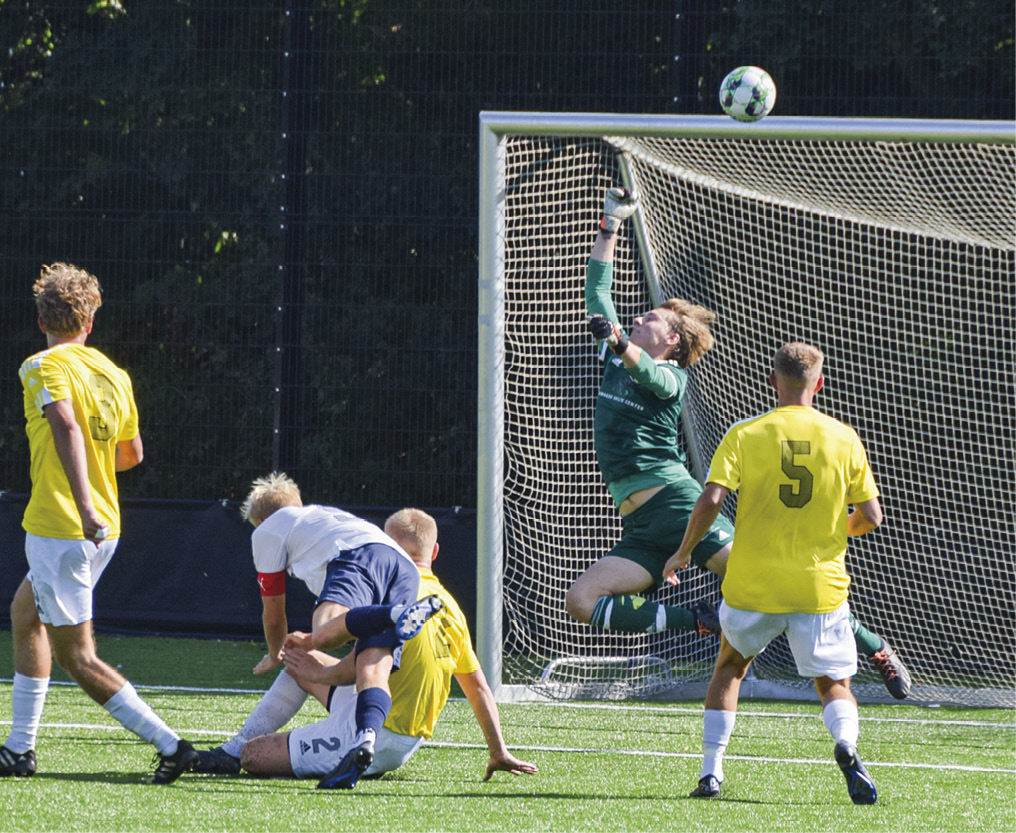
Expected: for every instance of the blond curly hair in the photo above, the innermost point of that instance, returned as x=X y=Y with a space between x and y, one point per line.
x=67 y=298
x=692 y=322
x=269 y=494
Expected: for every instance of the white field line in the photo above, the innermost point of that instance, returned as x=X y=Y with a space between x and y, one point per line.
x=698 y=755
x=575 y=750
x=606 y=705
x=584 y=751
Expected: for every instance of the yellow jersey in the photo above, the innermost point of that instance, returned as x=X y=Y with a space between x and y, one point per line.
x=795 y=470
x=104 y=408
x=420 y=687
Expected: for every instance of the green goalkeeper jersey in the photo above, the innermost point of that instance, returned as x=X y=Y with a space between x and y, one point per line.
x=637 y=411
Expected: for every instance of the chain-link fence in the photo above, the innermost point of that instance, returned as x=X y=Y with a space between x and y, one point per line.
x=280 y=199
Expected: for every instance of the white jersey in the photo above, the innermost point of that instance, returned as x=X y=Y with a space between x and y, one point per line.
x=302 y=540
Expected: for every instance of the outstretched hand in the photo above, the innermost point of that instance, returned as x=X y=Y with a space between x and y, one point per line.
x=618 y=205
x=676 y=562
x=267 y=663
x=509 y=763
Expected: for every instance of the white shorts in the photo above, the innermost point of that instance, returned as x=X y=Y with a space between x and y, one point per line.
x=822 y=643
x=315 y=750
x=64 y=574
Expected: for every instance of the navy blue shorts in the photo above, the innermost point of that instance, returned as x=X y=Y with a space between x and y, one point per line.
x=374 y=574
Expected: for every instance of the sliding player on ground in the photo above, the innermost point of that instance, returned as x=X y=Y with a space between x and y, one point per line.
x=366 y=587
x=419 y=690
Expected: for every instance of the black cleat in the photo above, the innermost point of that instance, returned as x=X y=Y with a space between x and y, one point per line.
x=171 y=767
x=706 y=619
x=414 y=616
x=217 y=761
x=350 y=768
x=859 y=784
x=894 y=672
x=708 y=787
x=18 y=764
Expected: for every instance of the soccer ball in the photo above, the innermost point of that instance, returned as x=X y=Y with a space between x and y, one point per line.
x=747 y=94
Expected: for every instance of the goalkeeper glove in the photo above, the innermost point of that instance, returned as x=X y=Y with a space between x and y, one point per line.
x=618 y=205
x=603 y=330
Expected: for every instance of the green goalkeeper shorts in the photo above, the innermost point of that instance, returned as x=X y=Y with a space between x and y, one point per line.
x=654 y=531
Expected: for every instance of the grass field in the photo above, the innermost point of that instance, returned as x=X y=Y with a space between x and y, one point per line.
x=603 y=766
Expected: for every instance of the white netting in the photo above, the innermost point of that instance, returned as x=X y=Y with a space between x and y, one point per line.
x=898 y=260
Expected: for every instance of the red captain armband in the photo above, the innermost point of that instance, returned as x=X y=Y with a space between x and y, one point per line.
x=272 y=584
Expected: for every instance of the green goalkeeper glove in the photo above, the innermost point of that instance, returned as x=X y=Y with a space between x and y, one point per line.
x=618 y=205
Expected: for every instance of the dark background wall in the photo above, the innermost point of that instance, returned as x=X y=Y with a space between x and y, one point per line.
x=280 y=201
x=185 y=567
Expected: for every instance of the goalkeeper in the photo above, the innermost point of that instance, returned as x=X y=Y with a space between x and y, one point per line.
x=645 y=375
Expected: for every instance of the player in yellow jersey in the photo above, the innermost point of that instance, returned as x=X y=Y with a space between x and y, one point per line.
x=796 y=472
x=82 y=427
x=419 y=690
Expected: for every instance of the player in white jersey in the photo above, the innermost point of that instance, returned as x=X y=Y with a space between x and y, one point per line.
x=366 y=587
x=419 y=691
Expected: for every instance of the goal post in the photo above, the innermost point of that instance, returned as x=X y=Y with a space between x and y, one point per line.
x=889 y=243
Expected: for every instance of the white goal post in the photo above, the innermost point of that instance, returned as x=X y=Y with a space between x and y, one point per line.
x=889 y=243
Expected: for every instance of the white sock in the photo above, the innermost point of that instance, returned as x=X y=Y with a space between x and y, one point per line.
x=28 y=696
x=842 y=720
x=134 y=714
x=717 y=727
x=274 y=710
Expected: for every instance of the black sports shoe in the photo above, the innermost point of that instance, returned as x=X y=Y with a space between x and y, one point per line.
x=217 y=761
x=171 y=767
x=414 y=616
x=18 y=764
x=708 y=787
x=894 y=672
x=859 y=784
x=350 y=768
x=706 y=618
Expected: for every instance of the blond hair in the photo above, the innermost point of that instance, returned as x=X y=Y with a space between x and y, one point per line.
x=800 y=364
x=269 y=494
x=66 y=298
x=415 y=531
x=691 y=322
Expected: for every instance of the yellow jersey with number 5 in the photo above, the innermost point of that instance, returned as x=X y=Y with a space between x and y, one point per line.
x=795 y=471
x=105 y=411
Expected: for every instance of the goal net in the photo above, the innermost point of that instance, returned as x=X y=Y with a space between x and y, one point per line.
x=889 y=244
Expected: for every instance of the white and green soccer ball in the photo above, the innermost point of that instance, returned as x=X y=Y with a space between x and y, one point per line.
x=747 y=94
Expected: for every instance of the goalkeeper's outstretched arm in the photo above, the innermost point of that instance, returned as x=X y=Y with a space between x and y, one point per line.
x=618 y=205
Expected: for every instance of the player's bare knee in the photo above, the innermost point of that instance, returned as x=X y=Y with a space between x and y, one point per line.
x=578 y=604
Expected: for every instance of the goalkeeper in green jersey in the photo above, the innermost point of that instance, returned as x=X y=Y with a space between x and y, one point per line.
x=638 y=409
